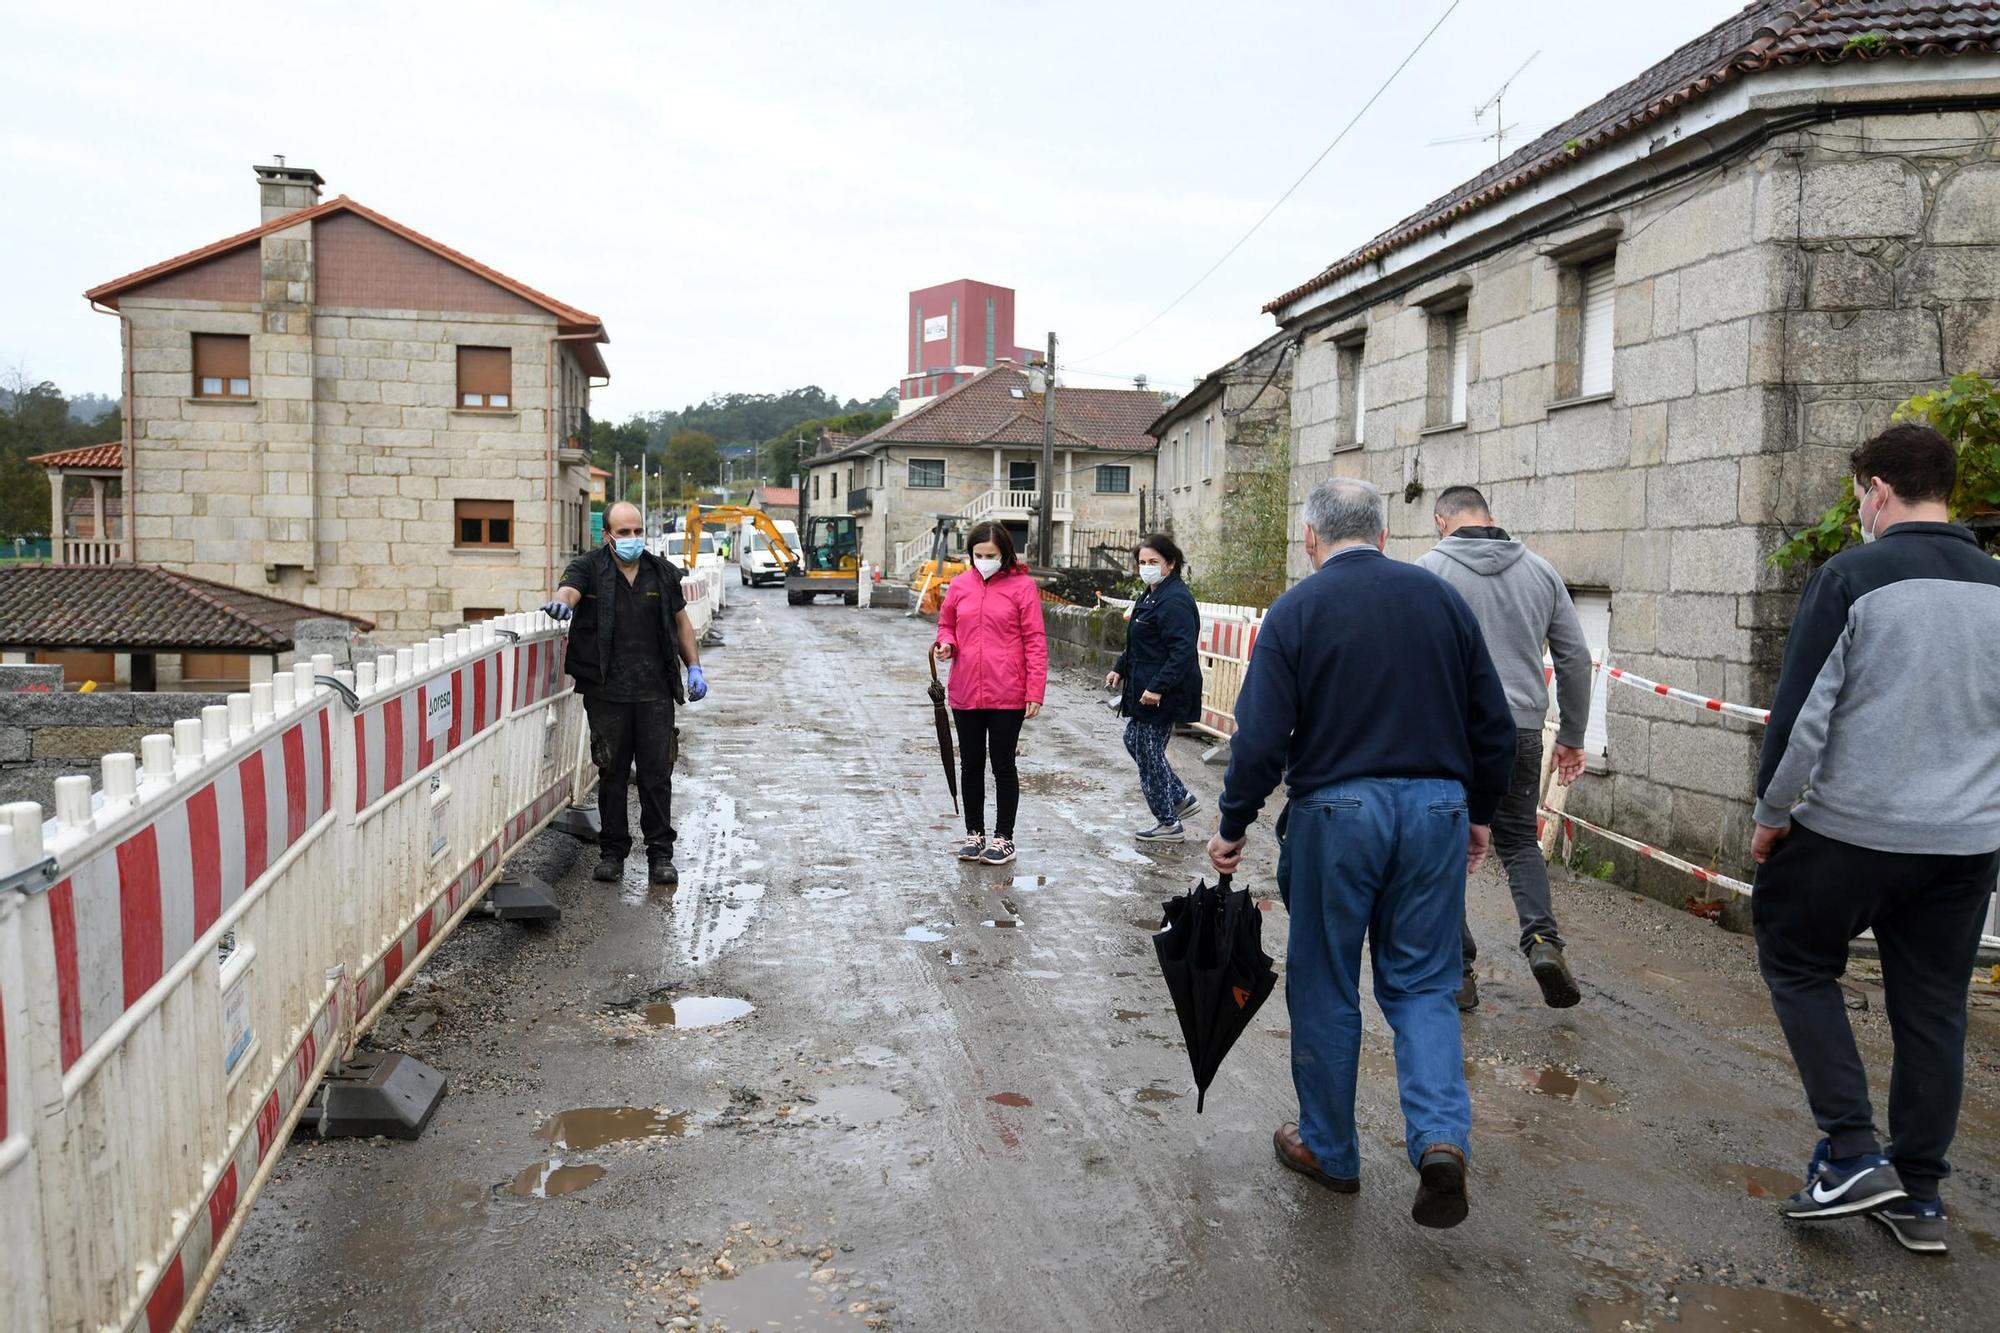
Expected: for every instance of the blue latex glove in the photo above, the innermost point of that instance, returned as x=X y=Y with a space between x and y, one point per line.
x=697 y=685
x=556 y=610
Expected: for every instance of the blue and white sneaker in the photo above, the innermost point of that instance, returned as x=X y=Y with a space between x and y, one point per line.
x=1164 y=831
x=1844 y=1186
x=1917 y=1224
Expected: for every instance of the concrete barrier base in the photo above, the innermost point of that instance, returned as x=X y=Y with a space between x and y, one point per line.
x=379 y=1093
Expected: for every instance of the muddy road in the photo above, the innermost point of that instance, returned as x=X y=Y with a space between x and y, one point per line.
x=838 y=1081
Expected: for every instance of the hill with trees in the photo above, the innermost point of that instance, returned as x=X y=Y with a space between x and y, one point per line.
x=36 y=418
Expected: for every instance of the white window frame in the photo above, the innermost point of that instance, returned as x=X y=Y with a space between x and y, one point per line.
x=1207 y=448
x=1351 y=393
x=1593 y=612
x=1457 y=337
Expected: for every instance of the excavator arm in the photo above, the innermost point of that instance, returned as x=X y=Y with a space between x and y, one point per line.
x=699 y=514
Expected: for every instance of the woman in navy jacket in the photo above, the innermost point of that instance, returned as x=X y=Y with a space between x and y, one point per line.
x=1162 y=682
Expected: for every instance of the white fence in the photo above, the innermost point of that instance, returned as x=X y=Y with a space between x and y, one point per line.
x=186 y=951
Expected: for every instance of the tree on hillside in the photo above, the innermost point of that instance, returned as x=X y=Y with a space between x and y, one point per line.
x=691 y=454
x=36 y=418
x=625 y=442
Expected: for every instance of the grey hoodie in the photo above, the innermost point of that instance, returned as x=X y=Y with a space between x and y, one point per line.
x=1521 y=603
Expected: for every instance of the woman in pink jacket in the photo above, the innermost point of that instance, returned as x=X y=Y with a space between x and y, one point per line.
x=990 y=628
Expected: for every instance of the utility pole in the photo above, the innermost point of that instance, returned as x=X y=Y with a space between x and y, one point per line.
x=645 y=514
x=618 y=475
x=1046 y=538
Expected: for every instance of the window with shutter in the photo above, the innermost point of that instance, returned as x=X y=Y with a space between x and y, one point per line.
x=221 y=365
x=1360 y=422
x=1593 y=610
x=483 y=523
x=485 y=377
x=1455 y=346
x=1594 y=329
x=1207 y=449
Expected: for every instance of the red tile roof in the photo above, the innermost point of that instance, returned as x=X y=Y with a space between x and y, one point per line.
x=997 y=406
x=142 y=607
x=110 y=455
x=779 y=497
x=568 y=317
x=1766 y=35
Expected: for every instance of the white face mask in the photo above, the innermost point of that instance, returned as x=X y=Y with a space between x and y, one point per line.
x=1869 y=534
x=987 y=565
x=1151 y=575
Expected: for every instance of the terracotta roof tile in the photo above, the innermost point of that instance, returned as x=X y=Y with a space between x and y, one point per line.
x=1765 y=35
x=780 y=497
x=89 y=455
x=567 y=315
x=143 y=607
x=996 y=406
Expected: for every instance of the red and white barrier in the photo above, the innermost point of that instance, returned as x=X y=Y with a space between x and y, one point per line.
x=185 y=953
x=1570 y=823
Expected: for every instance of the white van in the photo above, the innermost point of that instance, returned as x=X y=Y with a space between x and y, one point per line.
x=673 y=548
x=756 y=562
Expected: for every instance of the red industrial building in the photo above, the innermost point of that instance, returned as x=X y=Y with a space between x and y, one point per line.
x=953 y=332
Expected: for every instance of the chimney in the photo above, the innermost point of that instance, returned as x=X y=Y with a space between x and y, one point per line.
x=282 y=189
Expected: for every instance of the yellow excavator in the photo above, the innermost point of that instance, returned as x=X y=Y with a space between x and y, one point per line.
x=830 y=563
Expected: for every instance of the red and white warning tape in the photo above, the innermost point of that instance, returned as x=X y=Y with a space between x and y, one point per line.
x=1570 y=824
x=1760 y=716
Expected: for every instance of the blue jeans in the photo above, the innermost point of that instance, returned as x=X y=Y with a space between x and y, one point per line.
x=1382 y=858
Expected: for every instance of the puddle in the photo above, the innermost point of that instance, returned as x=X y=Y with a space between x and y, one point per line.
x=1739 y=1310
x=1155 y=1095
x=548 y=1180
x=1126 y=856
x=1004 y=923
x=1759 y=1182
x=775 y=1296
x=698 y=1011
x=1151 y=925
x=1054 y=784
x=1029 y=883
x=595 y=1126
x=924 y=934
x=1550 y=1081
x=1127 y=1015
x=1040 y=974
x=951 y=957
x=857 y=1104
x=820 y=893
x=1984 y=1242
x=1011 y=1099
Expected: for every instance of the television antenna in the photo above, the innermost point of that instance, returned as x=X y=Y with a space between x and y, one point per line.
x=1501 y=129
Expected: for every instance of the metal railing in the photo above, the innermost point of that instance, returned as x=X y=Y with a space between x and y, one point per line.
x=1021 y=503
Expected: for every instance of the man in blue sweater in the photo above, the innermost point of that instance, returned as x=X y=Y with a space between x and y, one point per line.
x=1372 y=693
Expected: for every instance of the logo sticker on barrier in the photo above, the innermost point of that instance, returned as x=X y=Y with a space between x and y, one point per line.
x=437 y=710
x=239 y=1032
x=440 y=807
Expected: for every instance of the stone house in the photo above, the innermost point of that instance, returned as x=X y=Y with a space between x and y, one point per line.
x=1653 y=335
x=1222 y=468
x=339 y=411
x=974 y=452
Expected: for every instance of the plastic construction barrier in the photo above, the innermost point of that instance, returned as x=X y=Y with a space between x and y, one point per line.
x=188 y=949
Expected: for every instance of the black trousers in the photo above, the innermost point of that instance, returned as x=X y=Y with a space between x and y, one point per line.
x=1520 y=850
x=984 y=731
x=621 y=734
x=1813 y=896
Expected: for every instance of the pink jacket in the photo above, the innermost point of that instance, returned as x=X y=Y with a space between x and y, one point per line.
x=1000 y=653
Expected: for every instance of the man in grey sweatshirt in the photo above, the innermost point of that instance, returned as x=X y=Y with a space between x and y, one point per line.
x=1521 y=604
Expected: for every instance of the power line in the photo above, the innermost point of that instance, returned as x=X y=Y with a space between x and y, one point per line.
x=1210 y=271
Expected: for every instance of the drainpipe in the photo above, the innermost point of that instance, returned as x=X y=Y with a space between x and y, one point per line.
x=549 y=461
x=127 y=523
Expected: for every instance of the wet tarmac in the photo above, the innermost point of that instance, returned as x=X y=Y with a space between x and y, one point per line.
x=931 y=1124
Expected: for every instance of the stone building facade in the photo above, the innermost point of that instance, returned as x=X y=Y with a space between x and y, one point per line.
x=1224 y=459
x=1788 y=234
x=338 y=410
x=975 y=452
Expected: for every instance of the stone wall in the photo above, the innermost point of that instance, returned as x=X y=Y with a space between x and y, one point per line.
x=1767 y=319
x=44 y=736
x=1084 y=640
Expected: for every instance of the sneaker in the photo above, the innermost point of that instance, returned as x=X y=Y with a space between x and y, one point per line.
x=1545 y=960
x=999 y=851
x=1440 y=1201
x=1844 y=1186
x=610 y=869
x=1165 y=831
x=660 y=869
x=1468 y=993
x=973 y=846
x=1188 y=806
x=1917 y=1224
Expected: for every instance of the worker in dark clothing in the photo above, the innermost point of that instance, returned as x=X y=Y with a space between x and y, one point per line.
x=630 y=636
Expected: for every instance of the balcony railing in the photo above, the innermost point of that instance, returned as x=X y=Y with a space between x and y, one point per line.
x=861 y=501
x=1014 y=504
x=90 y=551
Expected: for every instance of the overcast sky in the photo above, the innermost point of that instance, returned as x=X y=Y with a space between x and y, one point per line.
x=746 y=192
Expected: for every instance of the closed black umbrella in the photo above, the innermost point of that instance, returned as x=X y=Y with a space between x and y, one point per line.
x=1211 y=951
x=943 y=719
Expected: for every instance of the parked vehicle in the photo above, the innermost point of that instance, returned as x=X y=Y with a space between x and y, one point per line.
x=673 y=548
x=757 y=562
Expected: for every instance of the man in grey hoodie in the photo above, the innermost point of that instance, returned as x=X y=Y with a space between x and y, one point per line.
x=1521 y=604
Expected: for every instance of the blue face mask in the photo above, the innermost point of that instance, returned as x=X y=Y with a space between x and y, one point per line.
x=629 y=548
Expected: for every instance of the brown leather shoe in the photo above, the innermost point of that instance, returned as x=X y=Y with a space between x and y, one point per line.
x=1440 y=1199
x=1295 y=1156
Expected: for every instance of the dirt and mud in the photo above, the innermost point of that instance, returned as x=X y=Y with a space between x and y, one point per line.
x=838 y=1081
